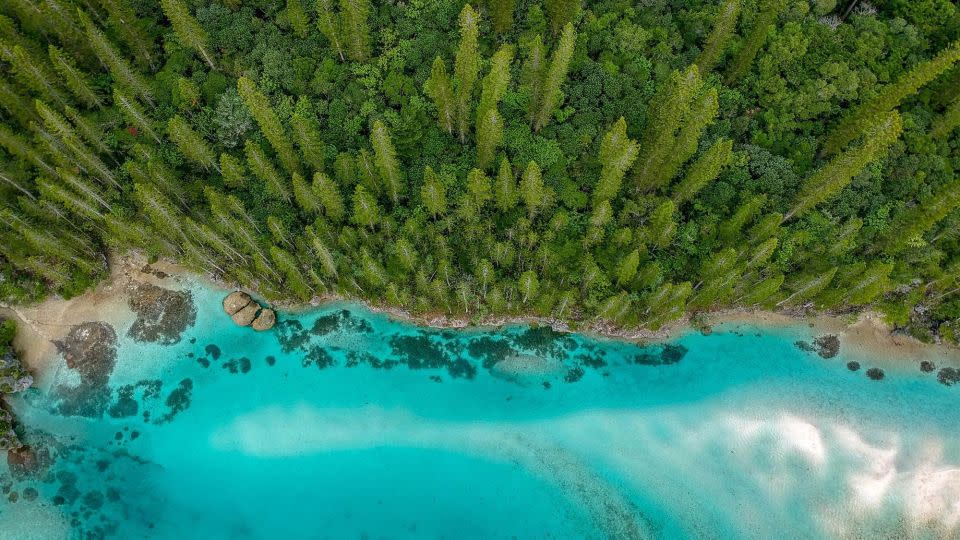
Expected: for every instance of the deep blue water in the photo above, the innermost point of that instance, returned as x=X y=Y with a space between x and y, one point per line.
x=342 y=423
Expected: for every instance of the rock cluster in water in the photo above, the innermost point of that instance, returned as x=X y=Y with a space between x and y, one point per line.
x=245 y=311
x=162 y=315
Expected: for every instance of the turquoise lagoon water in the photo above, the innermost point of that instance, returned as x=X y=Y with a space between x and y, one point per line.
x=342 y=423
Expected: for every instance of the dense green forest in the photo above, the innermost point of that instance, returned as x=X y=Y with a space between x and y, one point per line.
x=625 y=161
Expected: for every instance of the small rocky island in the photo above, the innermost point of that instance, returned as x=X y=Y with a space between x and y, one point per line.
x=245 y=311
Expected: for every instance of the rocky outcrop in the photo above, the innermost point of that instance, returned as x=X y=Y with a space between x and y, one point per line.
x=245 y=311
x=162 y=314
x=236 y=301
x=91 y=350
x=265 y=320
x=246 y=315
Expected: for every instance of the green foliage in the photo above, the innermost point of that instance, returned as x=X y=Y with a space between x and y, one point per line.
x=263 y=113
x=719 y=37
x=826 y=182
x=556 y=73
x=308 y=162
x=188 y=30
x=889 y=97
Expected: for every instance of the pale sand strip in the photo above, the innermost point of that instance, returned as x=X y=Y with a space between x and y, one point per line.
x=39 y=325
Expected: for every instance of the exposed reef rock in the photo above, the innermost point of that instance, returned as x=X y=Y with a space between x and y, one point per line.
x=90 y=349
x=162 y=315
x=27 y=461
x=827 y=346
x=245 y=311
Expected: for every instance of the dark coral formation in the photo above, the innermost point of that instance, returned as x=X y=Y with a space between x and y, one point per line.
x=827 y=346
x=178 y=400
x=340 y=321
x=90 y=349
x=927 y=366
x=668 y=354
x=162 y=314
x=875 y=374
x=948 y=376
x=853 y=365
x=544 y=341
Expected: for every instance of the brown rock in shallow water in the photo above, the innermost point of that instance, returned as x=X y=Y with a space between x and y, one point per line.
x=162 y=315
x=236 y=301
x=265 y=320
x=26 y=462
x=246 y=315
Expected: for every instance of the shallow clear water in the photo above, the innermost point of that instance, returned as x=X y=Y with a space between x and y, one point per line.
x=342 y=423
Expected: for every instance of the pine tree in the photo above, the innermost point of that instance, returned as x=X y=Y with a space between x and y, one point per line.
x=889 y=97
x=66 y=134
x=292 y=273
x=298 y=18
x=304 y=195
x=666 y=304
x=190 y=143
x=617 y=154
x=74 y=79
x=760 y=292
x=808 y=286
x=532 y=190
x=233 y=172
x=661 y=226
x=188 y=30
x=489 y=121
x=911 y=223
x=719 y=38
x=91 y=133
x=944 y=124
x=501 y=14
x=366 y=213
x=466 y=68
x=306 y=132
x=529 y=285
x=533 y=75
x=704 y=170
x=115 y=62
x=263 y=168
x=700 y=115
x=666 y=113
x=556 y=74
x=439 y=88
x=356 y=33
x=386 y=159
x=123 y=20
x=756 y=37
x=16 y=104
x=266 y=118
x=433 y=193
x=730 y=229
x=329 y=196
x=489 y=135
x=134 y=114
x=19 y=147
x=627 y=268
x=869 y=284
x=561 y=13
x=834 y=176
x=32 y=72
x=328 y=22
x=479 y=188
x=505 y=189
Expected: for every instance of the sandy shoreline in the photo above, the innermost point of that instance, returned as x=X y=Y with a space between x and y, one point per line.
x=863 y=335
